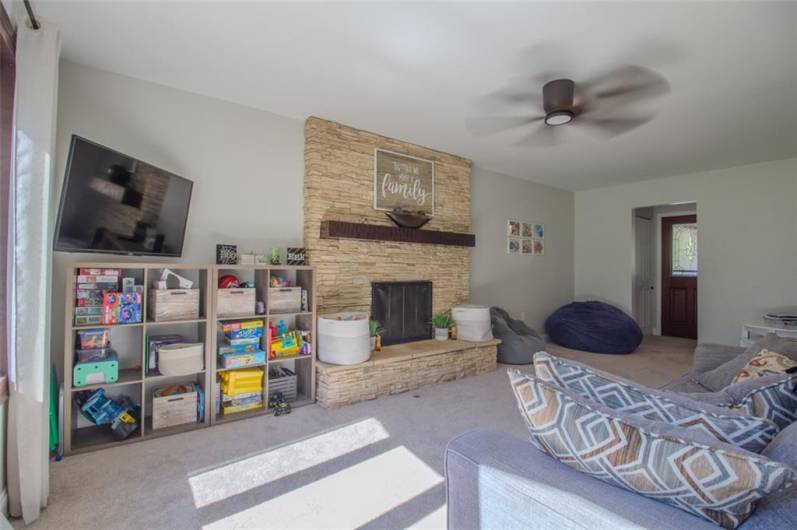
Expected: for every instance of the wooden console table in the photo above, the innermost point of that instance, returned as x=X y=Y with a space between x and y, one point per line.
x=403 y=367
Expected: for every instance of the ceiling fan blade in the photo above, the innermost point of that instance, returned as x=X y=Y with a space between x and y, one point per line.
x=519 y=92
x=542 y=136
x=614 y=126
x=629 y=83
x=485 y=125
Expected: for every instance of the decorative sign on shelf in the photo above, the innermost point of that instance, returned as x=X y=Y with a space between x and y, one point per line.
x=403 y=182
x=226 y=254
x=296 y=256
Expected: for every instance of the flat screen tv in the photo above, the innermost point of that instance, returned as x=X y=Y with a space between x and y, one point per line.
x=114 y=204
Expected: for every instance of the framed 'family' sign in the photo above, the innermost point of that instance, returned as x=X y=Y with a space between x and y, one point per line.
x=403 y=182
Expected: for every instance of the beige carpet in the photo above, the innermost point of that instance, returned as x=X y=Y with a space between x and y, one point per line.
x=377 y=464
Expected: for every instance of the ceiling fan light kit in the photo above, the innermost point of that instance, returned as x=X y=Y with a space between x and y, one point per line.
x=558 y=117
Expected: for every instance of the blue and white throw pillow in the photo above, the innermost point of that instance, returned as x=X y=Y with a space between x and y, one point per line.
x=752 y=432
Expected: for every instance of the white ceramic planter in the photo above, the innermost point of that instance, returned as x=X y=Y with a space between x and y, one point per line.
x=441 y=333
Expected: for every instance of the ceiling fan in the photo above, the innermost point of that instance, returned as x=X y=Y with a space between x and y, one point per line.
x=598 y=104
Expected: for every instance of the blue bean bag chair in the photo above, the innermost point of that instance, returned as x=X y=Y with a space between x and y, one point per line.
x=593 y=327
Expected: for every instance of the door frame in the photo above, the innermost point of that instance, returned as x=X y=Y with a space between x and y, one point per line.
x=665 y=247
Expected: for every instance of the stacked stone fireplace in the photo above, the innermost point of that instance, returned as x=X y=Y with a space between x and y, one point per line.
x=382 y=277
x=339 y=186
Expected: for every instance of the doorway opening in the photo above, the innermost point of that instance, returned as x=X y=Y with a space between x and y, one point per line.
x=664 y=284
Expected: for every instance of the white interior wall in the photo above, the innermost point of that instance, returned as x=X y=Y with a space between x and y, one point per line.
x=529 y=287
x=247 y=165
x=748 y=241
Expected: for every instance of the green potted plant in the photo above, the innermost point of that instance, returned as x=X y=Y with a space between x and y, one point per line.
x=442 y=322
x=375 y=329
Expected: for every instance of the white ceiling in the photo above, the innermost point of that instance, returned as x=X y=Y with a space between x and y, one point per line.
x=416 y=71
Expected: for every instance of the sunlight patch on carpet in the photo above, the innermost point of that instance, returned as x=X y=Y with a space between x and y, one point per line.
x=346 y=499
x=255 y=471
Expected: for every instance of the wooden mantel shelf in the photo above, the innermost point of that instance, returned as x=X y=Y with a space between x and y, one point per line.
x=344 y=230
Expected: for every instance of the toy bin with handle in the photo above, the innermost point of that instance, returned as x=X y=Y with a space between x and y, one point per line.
x=100 y=372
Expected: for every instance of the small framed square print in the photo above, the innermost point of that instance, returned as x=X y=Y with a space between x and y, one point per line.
x=538 y=231
x=512 y=246
x=513 y=228
x=525 y=230
x=526 y=247
x=538 y=247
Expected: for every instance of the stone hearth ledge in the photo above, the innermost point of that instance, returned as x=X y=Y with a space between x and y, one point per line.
x=403 y=367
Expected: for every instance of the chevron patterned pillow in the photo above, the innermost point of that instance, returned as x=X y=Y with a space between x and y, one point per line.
x=773 y=397
x=729 y=426
x=684 y=468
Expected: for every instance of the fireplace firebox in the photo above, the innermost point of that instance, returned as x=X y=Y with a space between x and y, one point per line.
x=404 y=309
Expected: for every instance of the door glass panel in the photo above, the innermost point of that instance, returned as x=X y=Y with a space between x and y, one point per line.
x=684 y=249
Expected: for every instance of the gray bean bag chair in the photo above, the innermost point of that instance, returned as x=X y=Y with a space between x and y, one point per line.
x=519 y=342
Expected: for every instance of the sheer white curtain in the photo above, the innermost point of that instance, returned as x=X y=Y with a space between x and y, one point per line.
x=35 y=94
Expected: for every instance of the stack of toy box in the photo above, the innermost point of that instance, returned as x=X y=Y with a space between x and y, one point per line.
x=91 y=284
x=96 y=362
x=241 y=390
x=241 y=346
x=98 y=299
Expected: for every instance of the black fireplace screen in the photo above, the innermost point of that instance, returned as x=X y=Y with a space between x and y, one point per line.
x=404 y=309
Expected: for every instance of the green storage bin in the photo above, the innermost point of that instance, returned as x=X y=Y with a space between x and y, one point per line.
x=97 y=372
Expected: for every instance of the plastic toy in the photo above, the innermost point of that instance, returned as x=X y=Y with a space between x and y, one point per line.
x=92 y=355
x=242 y=359
x=229 y=281
x=279 y=281
x=93 y=338
x=279 y=404
x=103 y=371
x=244 y=330
x=121 y=414
x=241 y=381
x=286 y=345
x=275 y=256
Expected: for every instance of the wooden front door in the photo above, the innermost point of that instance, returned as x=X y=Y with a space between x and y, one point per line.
x=679 y=276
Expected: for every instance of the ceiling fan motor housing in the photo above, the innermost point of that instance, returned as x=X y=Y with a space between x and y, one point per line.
x=557 y=97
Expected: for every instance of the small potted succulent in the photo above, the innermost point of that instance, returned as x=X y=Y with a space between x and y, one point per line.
x=375 y=329
x=442 y=322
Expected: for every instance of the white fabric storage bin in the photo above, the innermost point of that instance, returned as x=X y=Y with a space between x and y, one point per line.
x=181 y=358
x=344 y=341
x=473 y=323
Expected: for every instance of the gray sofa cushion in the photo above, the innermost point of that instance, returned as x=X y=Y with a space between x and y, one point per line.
x=684 y=384
x=678 y=466
x=771 y=396
x=709 y=356
x=780 y=510
x=497 y=481
x=494 y=480
x=726 y=425
x=721 y=376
